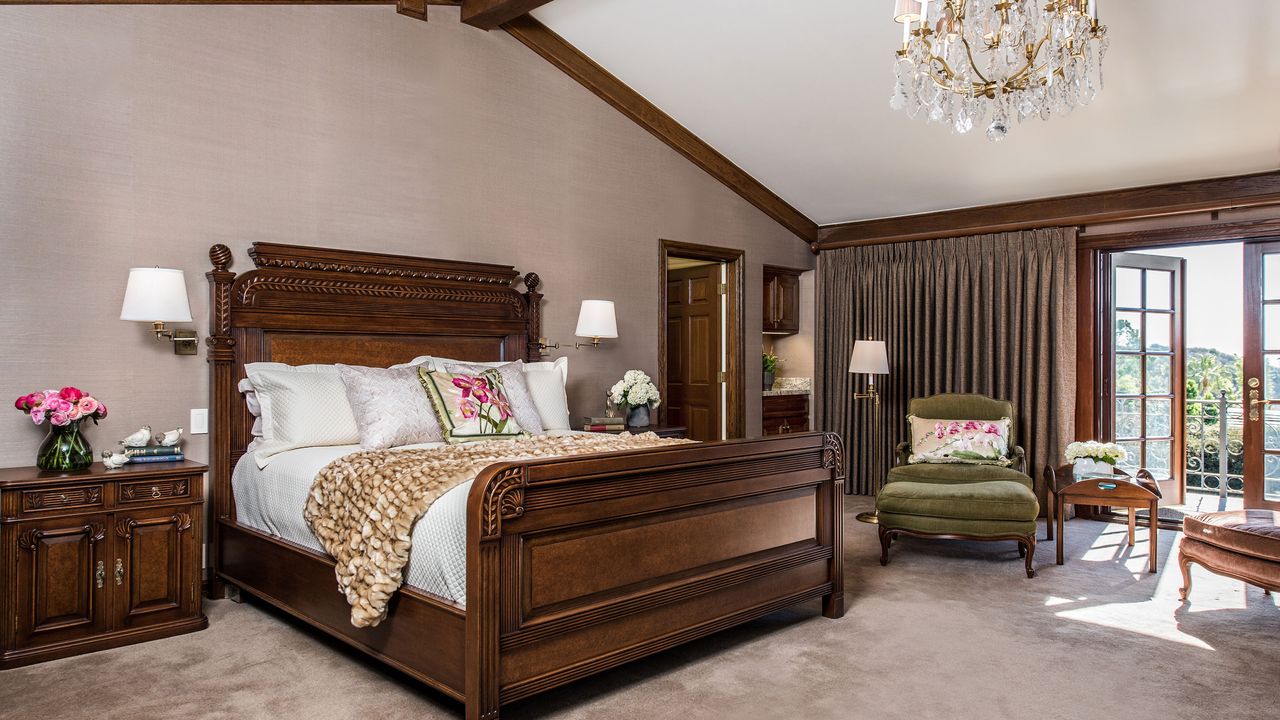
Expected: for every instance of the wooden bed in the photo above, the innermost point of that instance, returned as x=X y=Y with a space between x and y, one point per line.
x=574 y=565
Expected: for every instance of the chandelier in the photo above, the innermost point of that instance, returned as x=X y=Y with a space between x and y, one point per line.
x=961 y=59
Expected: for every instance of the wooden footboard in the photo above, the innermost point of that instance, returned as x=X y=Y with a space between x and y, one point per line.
x=579 y=564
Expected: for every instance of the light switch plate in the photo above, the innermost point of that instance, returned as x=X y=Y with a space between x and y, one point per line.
x=200 y=421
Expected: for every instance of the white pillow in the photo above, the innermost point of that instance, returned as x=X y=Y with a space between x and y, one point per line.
x=546 y=387
x=303 y=406
x=390 y=407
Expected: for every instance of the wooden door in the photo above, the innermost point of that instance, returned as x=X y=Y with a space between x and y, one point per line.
x=1262 y=375
x=1144 y=377
x=154 y=571
x=61 y=582
x=694 y=350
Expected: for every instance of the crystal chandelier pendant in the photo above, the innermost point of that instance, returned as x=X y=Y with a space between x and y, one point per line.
x=1022 y=58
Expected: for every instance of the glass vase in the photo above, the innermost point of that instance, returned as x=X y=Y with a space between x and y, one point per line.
x=64 y=449
x=638 y=416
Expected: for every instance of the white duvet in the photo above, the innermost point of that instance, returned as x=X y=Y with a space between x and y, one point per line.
x=271 y=500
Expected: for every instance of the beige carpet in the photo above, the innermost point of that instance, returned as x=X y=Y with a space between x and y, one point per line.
x=947 y=630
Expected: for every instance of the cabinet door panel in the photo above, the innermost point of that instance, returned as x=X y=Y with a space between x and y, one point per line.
x=60 y=587
x=788 y=311
x=154 y=567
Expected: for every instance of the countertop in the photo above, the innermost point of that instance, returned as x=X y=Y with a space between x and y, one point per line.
x=790 y=386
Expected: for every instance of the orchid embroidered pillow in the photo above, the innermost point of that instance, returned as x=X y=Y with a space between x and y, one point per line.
x=979 y=442
x=471 y=406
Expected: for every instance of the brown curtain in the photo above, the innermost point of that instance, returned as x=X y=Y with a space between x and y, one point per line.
x=989 y=314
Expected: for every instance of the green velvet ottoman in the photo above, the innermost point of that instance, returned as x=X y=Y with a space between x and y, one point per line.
x=958 y=508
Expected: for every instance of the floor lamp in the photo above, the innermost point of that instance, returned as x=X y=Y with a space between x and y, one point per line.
x=869 y=358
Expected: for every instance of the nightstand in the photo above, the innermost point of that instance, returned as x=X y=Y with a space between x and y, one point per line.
x=98 y=558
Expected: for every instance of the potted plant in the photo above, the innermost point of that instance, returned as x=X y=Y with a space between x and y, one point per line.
x=769 y=363
x=1095 y=458
x=64 y=448
x=636 y=394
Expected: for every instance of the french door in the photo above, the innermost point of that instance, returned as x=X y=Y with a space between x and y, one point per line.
x=1262 y=374
x=1143 y=377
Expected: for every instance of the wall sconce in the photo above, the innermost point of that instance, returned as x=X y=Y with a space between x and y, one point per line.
x=869 y=358
x=159 y=295
x=596 y=321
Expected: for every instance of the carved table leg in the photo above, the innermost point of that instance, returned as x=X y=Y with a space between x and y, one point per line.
x=886 y=539
x=1155 y=511
x=1185 y=563
x=1061 y=509
x=1133 y=524
x=1031 y=554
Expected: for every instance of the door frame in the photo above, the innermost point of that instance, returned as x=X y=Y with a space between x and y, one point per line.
x=734 y=349
x=1255 y=352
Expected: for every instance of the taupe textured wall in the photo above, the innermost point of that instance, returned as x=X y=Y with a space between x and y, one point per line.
x=141 y=135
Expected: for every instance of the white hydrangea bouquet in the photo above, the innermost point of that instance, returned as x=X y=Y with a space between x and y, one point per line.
x=636 y=392
x=1095 y=457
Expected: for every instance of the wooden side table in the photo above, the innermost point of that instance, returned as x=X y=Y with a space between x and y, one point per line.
x=98 y=558
x=1118 y=490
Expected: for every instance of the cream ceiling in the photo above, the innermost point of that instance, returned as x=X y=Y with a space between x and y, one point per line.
x=796 y=92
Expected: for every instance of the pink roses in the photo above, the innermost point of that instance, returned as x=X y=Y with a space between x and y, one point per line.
x=61 y=407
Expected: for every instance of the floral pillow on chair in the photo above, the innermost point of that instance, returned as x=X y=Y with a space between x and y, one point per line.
x=979 y=442
x=471 y=406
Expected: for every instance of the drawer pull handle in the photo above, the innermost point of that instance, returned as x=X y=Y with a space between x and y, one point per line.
x=62 y=497
x=119 y=571
x=101 y=574
x=155 y=491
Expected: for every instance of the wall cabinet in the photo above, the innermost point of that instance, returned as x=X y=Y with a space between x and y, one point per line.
x=784 y=414
x=781 y=300
x=98 y=558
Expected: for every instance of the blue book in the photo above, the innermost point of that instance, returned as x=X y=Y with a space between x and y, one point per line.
x=157 y=458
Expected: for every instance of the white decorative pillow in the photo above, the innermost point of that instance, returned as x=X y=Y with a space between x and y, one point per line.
x=546 y=387
x=977 y=442
x=301 y=407
x=390 y=407
x=514 y=385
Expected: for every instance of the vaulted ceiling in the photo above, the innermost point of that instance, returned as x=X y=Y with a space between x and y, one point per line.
x=796 y=94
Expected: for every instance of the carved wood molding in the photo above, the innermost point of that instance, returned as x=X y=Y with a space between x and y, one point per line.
x=833 y=454
x=30 y=539
x=181 y=522
x=265 y=281
x=67 y=498
x=503 y=500
x=299 y=257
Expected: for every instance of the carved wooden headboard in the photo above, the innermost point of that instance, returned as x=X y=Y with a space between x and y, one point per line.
x=303 y=305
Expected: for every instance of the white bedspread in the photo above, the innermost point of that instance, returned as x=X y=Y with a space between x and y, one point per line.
x=271 y=500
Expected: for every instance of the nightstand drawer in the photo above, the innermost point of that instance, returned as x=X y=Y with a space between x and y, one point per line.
x=79 y=496
x=136 y=492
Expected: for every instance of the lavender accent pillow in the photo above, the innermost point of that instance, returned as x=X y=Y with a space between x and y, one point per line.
x=517 y=390
x=390 y=407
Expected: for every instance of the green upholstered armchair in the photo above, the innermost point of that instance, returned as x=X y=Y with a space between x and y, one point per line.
x=957 y=500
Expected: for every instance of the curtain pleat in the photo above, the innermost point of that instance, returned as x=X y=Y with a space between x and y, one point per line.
x=989 y=314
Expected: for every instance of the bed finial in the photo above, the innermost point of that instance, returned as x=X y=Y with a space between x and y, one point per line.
x=221 y=257
x=532 y=282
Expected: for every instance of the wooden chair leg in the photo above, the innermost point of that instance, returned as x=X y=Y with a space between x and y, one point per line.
x=1022 y=549
x=1185 y=563
x=1030 y=554
x=1155 y=545
x=1050 y=501
x=886 y=539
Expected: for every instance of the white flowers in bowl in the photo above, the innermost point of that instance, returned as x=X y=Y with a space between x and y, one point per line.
x=635 y=388
x=1109 y=453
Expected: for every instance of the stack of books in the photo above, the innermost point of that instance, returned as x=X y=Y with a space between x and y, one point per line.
x=154 y=453
x=604 y=424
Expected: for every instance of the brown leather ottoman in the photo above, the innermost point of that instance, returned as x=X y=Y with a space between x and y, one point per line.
x=1242 y=544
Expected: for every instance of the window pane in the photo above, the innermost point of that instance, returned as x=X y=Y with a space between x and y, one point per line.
x=1271 y=366
x=1131 y=463
x=1159 y=375
x=1159 y=418
x=1128 y=287
x=1271 y=431
x=1159 y=332
x=1159 y=289
x=1271 y=327
x=1271 y=276
x=1271 y=488
x=1157 y=460
x=1128 y=374
x=1129 y=331
x=1128 y=418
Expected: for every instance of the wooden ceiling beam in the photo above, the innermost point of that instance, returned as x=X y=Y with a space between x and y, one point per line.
x=632 y=104
x=1087 y=208
x=489 y=14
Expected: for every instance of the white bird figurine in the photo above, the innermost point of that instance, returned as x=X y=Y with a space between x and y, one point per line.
x=114 y=459
x=139 y=438
x=170 y=438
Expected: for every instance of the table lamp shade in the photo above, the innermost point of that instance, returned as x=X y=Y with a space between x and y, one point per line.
x=156 y=295
x=870 y=357
x=596 y=319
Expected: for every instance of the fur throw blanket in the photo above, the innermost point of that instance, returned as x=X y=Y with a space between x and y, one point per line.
x=363 y=506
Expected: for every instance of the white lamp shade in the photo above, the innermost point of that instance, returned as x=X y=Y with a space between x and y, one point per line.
x=870 y=357
x=156 y=295
x=597 y=320
x=906 y=11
